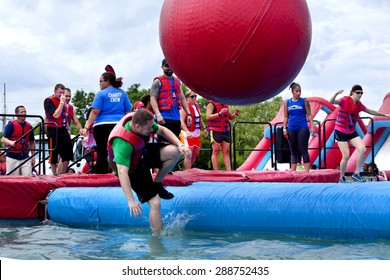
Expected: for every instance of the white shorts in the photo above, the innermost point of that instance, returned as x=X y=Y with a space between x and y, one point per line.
x=24 y=170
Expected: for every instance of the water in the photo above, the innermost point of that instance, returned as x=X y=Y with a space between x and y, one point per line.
x=36 y=240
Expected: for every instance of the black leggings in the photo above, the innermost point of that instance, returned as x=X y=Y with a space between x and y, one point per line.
x=101 y=133
x=299 y=142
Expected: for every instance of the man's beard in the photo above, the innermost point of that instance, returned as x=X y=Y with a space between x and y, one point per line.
x=168 y=72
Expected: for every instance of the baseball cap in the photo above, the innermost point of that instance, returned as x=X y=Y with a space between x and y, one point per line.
x=138 y=104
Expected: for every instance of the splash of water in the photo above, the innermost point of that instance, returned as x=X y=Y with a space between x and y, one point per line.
x=175 y=223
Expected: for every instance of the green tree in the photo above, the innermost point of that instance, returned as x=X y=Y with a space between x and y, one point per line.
x=248 y=135
x=135 y=94
x=82 y=101
x=248 y=131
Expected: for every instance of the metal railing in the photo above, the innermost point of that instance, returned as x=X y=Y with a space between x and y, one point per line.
x=322 y=137
x=40 y=151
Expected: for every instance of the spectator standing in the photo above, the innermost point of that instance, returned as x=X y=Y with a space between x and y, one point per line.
x=72 y=117
x=218 y=121
x=166 y=100
x=56 y=120
x=297 y=112
x=108 y=107
x=192 y=130
x=19 y=141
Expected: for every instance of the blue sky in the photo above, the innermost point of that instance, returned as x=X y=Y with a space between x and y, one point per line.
x=44 y=42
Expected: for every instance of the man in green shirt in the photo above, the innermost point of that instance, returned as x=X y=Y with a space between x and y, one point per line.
x=131 y=156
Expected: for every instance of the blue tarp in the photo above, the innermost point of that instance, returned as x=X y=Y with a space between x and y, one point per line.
x=326 y=210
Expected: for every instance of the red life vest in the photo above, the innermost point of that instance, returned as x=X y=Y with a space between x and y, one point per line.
x=135 y=140
x=221 y=123
x=348 y=116
x=70 y=113
x=61 y=121
x=194 y=124
x=168 y=93
x=22 y=146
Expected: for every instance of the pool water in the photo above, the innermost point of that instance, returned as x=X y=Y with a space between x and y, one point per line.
x=37 y=240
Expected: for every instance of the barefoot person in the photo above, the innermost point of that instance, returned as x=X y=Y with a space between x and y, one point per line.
x=131 y=157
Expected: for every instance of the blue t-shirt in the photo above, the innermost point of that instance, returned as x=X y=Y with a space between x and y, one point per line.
x=113 y=104
x=296 y=114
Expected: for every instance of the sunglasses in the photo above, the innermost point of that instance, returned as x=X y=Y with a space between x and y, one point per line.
x=359 y=92
x=166 y=65
x=193 y=96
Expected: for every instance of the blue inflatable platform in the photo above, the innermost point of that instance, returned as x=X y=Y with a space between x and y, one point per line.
x=324 y=210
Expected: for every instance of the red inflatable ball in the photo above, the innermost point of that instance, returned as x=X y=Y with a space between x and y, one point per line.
x=236 y=52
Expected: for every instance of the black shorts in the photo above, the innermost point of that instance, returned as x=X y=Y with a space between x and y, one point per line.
x=344 y=137
x=141 y=178
x=172 y=125
x=63 y=148
x=219 y=137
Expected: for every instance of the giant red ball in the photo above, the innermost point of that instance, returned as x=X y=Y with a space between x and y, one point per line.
x=236 y=52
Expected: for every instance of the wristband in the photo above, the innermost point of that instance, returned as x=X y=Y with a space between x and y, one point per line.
x=284 y=129
x=180 y=145
x=159 y=115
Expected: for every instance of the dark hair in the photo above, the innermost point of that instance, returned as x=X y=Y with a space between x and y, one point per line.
x=17 y=108
x=294 y=86
x=356 y=87
x=111 y=78
x=68 y=89
x=61 y=86
x=145 y=99
x=141 y=117
x=164 y=61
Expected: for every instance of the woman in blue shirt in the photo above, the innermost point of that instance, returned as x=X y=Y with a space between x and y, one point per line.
x=109 y=106
x=296 y=114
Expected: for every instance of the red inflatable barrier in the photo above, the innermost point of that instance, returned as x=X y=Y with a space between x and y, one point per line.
x=19 y=196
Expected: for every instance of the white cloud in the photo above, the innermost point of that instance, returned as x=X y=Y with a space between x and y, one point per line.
x=350 y=45
x=49 y=41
